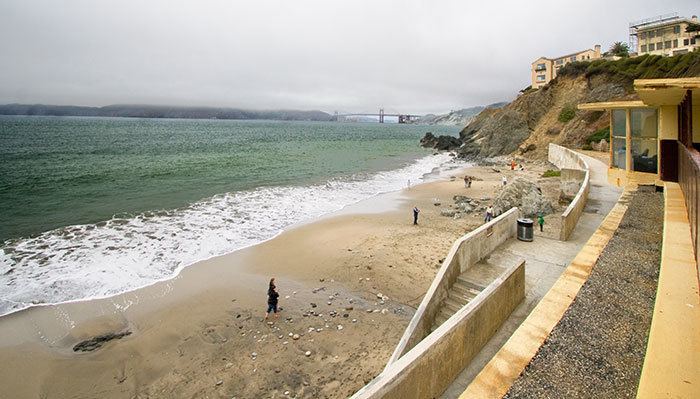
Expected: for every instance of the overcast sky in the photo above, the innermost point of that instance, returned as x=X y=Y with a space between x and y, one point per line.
x=405 y=56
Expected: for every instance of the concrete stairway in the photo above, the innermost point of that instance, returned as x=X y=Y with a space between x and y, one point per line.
x=463 y=291
x=470 y=283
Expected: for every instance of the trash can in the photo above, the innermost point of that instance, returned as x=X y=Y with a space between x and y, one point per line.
x=525 y=229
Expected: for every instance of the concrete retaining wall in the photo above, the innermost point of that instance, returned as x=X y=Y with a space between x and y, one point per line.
x=430 y=366
x=465 y=252
x=564 y=159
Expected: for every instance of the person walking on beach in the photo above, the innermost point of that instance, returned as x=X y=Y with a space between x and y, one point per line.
x=416 y=211
x=466 y=181
x=512 y=165
x=489 y=214
x=504 y=180
x=470 y=182
x=540 y=221
x=272 y=296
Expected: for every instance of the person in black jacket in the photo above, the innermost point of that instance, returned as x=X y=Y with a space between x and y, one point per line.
x=272 y=296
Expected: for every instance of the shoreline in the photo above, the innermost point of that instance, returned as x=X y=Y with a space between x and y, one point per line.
x=351 y=208
x=182 y=328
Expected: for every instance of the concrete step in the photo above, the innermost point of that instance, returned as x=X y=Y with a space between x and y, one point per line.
x=469 y=284
x=452 y=306
x=463 y=291
x=441 y=318
x=456 y=303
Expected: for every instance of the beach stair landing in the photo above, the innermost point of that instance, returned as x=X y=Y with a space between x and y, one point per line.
x=470 y=283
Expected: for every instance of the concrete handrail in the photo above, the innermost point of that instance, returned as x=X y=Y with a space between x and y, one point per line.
x=564 y=158
x=465 y=252
x=431 y=365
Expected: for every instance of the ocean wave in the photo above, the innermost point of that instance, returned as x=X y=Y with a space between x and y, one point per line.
x=127 y=252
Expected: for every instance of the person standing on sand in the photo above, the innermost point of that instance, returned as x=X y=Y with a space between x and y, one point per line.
x=466 y=181
x=504 y=180
x=470 y=182
x=489 y=214
x=540 y=221
x=272 y=296
x=416 y=211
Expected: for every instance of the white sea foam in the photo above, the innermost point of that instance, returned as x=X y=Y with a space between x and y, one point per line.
x=104 y=259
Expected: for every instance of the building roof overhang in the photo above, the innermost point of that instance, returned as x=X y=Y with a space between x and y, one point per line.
x=602 y=106
x=657 y=92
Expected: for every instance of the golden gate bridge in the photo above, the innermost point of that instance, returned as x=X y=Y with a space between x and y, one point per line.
x=402 y=118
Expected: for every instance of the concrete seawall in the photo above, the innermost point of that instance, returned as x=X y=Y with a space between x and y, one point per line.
x=431 y=365
x=464 y=253
x=571 y=165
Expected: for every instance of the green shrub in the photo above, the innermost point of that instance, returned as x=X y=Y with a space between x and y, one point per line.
x=602 y=134
x=567 y=113
x=551 y=173
x=643 y=67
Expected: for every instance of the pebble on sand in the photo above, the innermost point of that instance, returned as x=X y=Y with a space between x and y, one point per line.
x=308 y=353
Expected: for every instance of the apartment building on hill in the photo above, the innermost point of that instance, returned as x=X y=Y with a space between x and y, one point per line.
x=664 y=35
x=545 y=69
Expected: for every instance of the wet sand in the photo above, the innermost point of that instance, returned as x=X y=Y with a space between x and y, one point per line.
x=349 y=284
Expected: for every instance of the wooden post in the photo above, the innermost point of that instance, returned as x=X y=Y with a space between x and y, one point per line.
x=628 y=140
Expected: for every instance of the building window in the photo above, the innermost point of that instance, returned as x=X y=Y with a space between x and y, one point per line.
x=643 y=49
x=540 y=78
x=651 y=34
x=685 y=42
x=677 y=29
x=692 y=41
x=643 y=35
x=651 y=46
x=559 y=62
x=675 y=43
x=659 y=32
x=660 y=45
x=540 y=67
x=667 y=44
x=572 y=58
x=644 y=132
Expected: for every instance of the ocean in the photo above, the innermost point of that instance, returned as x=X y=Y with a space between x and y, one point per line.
x=93 y=207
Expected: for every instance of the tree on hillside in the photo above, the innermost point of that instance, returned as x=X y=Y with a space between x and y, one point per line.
x=619 y=49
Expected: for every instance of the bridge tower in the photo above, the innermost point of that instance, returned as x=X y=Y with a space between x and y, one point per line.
x=381 y=115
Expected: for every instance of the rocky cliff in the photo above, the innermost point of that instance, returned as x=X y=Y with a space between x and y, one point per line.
x=549 y=114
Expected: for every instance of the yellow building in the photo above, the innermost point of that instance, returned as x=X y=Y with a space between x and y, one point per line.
x=545 y=69
x=657 y=139
x=648 y=136
x=664 y=35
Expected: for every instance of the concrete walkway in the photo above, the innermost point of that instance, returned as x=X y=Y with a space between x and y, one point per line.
x=546 y=259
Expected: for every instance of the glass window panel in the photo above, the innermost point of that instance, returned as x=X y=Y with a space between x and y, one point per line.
x=619 y=123
x=619 y=151
x=644 y=155
x=644 y=123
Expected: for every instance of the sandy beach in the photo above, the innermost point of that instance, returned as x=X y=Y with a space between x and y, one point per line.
x=349 y=284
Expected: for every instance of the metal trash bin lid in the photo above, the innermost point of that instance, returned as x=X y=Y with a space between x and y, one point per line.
x=525 y=222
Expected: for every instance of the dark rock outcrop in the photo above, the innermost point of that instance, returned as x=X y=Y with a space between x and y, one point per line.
x=441 y=143
x=94 y=343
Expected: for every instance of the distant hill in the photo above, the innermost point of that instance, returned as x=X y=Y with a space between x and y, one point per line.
x=162 y=111
x=460 y=117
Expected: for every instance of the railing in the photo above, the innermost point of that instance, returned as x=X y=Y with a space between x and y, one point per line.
x=429 y=368
x=465 y=252
x=564 y=158
x=688 y=178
